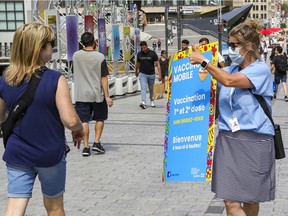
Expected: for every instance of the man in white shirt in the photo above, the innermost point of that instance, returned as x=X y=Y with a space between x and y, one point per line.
x=221 y=63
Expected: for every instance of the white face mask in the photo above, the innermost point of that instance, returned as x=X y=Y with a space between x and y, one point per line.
x=235 y=55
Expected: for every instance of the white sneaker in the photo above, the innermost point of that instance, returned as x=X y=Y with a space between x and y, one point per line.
x=143 y=105
x=152 y=104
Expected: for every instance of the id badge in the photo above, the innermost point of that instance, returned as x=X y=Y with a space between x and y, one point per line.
x=234 y=124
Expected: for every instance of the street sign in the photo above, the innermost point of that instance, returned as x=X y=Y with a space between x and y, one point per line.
x=192 y=8
x=188 y=12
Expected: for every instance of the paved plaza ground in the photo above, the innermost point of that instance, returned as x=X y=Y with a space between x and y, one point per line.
x=127 y=179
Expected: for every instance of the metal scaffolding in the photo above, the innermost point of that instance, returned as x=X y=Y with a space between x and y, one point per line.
x=80 y=8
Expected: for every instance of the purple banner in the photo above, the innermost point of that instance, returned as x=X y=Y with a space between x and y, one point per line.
x=102 y=36
x=72 y=36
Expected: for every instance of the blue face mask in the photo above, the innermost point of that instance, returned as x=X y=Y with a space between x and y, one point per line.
x=235 y=55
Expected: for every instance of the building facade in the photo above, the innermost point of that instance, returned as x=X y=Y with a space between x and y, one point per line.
x=14 y=13
x=266 y=10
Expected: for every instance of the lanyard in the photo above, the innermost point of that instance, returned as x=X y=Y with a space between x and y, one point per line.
x=230 y=100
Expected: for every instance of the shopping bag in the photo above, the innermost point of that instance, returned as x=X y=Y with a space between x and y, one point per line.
x=158 y=91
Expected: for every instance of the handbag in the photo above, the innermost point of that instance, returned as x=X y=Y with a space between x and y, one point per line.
x=20 y=107
x=278 y=141
x=158 y=90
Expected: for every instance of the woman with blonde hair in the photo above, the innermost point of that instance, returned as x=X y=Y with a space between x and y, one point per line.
x=36 y=146
x=244 y=158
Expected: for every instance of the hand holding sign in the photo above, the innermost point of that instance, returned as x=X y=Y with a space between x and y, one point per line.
x=196 y=56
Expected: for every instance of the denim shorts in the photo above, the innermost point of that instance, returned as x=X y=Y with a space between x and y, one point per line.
x=21 y=180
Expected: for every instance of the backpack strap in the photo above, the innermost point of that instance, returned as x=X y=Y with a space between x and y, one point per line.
x=20 y=107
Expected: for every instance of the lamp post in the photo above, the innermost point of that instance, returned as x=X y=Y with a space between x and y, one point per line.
x=166 y=26
x=178 y=26
x=220 y=27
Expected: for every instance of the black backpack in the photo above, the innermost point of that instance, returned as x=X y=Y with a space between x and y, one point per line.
x=281 y=64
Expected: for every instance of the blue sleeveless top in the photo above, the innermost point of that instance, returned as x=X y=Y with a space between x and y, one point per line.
x=38 y=140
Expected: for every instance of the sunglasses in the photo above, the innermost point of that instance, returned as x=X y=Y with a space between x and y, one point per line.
x=52 y=43
x=232 y=45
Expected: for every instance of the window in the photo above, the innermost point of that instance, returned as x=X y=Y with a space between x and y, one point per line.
x=106 y=2
x=159 y=3
x=187 y=2
x=173 y=3
x=11 y=15
x=149 y=3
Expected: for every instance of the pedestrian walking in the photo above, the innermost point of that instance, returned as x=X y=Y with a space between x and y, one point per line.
x=145 y=69
x=159 y=44
x=245 y=139
x=171 y=40
x=164 y=63
x=91 y=90
x=279 y=68
x=143 y=21
x=37 y=145
x=265 y=50
x=154 y=45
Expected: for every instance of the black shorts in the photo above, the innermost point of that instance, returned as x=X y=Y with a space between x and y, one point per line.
x=88 y=111
x=280 y=77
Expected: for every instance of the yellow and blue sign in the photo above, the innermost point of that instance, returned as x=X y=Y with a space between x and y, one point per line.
x=189 y=132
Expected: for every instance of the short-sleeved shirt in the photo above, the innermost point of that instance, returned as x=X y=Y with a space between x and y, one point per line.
x=220 y=58
x=89 y=67
x=147 y=62
x=242 y=104
x=275 y=61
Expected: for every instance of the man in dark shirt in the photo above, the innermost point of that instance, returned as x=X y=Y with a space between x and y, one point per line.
x=280 y=75
x=145 y=68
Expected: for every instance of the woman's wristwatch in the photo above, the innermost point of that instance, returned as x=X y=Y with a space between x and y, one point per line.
x=204 y=64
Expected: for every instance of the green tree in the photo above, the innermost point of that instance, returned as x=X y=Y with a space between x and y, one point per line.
x=284 y=7
x=283 y=25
